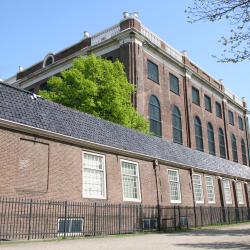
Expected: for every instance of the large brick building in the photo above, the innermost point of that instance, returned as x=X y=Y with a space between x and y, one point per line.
x=183 y=103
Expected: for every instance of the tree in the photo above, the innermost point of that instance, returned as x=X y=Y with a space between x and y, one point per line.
x=237 y=13
x=99 y=87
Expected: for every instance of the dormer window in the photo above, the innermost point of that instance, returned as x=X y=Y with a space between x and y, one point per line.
x=48 y=60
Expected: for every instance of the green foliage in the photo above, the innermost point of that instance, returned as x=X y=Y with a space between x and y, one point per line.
x=98 y=87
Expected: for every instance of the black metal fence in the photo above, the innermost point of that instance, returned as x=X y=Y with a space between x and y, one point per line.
x=41 y=219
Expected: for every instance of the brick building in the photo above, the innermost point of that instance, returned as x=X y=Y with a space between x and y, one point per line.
x=183 y=103
x=48 y=151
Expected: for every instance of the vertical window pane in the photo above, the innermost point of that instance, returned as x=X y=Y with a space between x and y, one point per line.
x=208 y=104
x=239 y=193
x=210 y=189
x=176 y=125
x=231 y=117
x=93 y=176
x=153 y=73
x=240 y=123
x=198 y=134
x=155 y=116
x=174 y=84
x=195 y=96
x=198 y=191
x=227 y=192
x=174 y=186
x=222 y=144
x=130 y=180
x=234 y=148
x=218 y=110
x=211 y=143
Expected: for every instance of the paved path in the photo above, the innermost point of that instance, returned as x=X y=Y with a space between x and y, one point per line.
x=233 y=237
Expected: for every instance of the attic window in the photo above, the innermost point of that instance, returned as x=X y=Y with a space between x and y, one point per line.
x=48 y=60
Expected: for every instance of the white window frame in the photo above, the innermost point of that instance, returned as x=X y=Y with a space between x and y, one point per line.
x=104 y=174
x=231 y=200
x=248 y=191
x=202 y=193
x=179 y=186
x=241 y=190
x=214 y=200
x=138 y=178
x=68 y=233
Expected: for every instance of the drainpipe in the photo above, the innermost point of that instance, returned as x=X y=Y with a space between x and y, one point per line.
x=155 y=165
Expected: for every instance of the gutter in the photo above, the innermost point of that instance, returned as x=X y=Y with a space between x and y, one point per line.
x=96 y=146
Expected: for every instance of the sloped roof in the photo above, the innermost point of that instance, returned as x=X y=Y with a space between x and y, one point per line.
x=16 y=105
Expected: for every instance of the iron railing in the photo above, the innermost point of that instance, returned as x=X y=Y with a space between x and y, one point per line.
x=42 y=219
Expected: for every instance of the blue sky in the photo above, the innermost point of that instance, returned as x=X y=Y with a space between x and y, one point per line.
x=30 y=29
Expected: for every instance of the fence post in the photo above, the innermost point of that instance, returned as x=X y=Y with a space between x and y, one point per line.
x=65 y=218
x=201 y=216
x=195 y=219
x=159 y=218
x=94 y=218
x=187 y=217
x=179 y=211
x=228 y=215
x=211 y=218
x=174 y=219
x=120 y=218
x=30 y=216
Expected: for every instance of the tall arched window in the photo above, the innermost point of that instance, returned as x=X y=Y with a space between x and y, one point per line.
x=210 y=135
x=243 y=152
x=155 y=115
x=222 y=144
x=176 y=125
x=198 y=134
x=234 y=148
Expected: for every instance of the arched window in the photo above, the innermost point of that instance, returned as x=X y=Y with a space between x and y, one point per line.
x=222 y=144
x=198 y=134
x=234 y=148
x=49 y=59
x=176 y=125
x=210 y=135
x=155 y=115
x=243 y=152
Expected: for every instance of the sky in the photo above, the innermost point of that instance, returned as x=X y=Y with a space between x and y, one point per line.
x=30 y=29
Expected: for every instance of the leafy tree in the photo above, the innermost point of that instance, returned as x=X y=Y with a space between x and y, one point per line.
x=99 y=87
x=237 y=13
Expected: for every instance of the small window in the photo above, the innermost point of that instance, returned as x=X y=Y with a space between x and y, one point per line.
x=198 y=134
x=240 y=123
x=155 y=116
x=239 y=193
x=210 y=189
x=198 y=190
x=176 y=125
x=208 y=103
x=227 y=192
x=153 y=73
x=174 y=186
x=195 y=96
x=49 y=59
x=70 y=226
x=222 y=144
x=234 y=148
x=130 y=181
x=94 y=182
x=211 y=143
x=218 y=110
x=231 y=117
x=174 y=84
x=243 y=152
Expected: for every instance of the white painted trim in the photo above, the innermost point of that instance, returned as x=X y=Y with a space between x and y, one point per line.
x=226 y=202
x=202 y=192
x=240 y=203
x=139 y=182
x=50 y=55
x=214 y=201
x=179 y=187
x=104 y=174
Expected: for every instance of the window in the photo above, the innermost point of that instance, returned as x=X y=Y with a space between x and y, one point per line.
x=198 y=134
x=174 y=84
x=153 y=73
x=243 y=152
x=130 y=181
x=211 y=143
x=231 y=117
x=222 y=144
x=94 y=183
x=174 y=186
x=248 y=191
x=198 y=191
x=195 y=96
x=70 y=226
x=208 y=104
x=227 y=192
x=218 y=110
x=48 y=60
x=155 y=116
x=176 y=125
x=240 y=123
x=210 y=189
x=234 y=148
x=239 y=193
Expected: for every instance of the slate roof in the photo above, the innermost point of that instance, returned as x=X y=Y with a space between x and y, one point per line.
x=16 y=105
